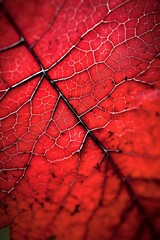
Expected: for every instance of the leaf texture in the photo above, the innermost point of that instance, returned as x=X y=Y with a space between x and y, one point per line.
x=80 y=107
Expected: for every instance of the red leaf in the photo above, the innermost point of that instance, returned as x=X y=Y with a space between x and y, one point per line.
x=80 y=107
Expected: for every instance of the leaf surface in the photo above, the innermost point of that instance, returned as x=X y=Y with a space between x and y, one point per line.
x=80 y=107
